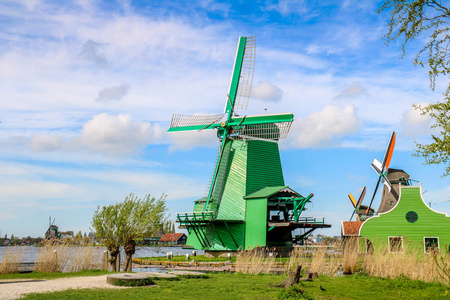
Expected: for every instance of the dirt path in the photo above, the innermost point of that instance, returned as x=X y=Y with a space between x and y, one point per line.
x=16 y=288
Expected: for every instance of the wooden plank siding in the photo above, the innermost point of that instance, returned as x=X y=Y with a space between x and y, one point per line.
x=394 y=223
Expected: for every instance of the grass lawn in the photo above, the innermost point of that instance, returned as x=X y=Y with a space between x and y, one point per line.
x=240 y=286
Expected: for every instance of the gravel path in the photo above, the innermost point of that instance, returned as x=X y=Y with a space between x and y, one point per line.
x=16 y=288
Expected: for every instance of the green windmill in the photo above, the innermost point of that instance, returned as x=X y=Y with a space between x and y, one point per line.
x=247 y=203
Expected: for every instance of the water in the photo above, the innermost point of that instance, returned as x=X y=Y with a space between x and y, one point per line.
x=30 y=252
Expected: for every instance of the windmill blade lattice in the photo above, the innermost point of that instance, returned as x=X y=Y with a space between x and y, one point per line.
x=246 y=76
x=179 y=121
x=265 y=132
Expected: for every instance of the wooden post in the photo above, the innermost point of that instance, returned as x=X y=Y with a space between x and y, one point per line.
x=118 y=262
x=105 y=265
x=54 y=263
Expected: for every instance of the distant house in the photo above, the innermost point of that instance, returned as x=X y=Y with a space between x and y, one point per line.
x=151 y=241
x=173 y=239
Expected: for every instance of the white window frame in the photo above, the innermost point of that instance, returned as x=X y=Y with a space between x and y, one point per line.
x=389 y=243
x=425 y=245
x=365 y=244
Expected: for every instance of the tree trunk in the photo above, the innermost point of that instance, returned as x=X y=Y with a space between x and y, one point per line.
x=293 y=277
x=113 y=251
x=130 y=248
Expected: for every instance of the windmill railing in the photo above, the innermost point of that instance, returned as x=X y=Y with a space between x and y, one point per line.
x=311 y=220
x=195 y=217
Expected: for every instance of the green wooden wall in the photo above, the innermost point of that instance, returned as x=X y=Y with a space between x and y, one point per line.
x=429 y=223
x=263 y=166
x=256 y=223
x=249 y=166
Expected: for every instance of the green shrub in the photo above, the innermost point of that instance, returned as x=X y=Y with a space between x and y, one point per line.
x=293 y=292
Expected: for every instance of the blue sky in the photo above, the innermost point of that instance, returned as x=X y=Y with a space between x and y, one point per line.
x=88 y=89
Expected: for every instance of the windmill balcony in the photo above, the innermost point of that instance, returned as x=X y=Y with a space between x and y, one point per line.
x=195 y=217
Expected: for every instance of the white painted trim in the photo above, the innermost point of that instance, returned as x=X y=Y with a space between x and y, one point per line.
x=424 y=244
x=389 y=243
x=365 y=243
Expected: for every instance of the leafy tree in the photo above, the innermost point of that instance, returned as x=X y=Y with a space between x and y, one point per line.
x=411 y=19
x=105 y=224
x=139 y=216
x=125 y=222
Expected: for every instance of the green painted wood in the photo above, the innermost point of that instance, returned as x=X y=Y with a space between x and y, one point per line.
x=231 y=238
x=263 y=166
x=235 y=77
x=256 y=223
x=221 y=177
x=193 y=127
x=262 y=119
x=249 y=120
x=430 y=223
x=265 y=192
x=232 y=205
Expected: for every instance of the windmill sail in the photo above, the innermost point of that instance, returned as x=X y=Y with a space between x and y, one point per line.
x=246 y=75
x=192 y=122
x=382 y=168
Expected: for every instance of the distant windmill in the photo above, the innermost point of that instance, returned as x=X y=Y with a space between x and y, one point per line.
x=382 y=168
x=358 y=208
x=52 y=231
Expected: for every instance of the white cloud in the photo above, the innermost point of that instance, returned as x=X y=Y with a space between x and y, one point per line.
x=108 y=134
x=288 y=7
x=91 y=52
x=187 y=140
x=414 y=124
x=45 y=142
x=322 y=128
x=290 y=58
x=355 y=89
x=116 y=135
x=113 y=93
x=267 y=91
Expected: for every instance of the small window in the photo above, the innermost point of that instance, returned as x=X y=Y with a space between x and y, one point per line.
x=362 y=245
x=412 y=217
x=395 y=244
x=431 y=244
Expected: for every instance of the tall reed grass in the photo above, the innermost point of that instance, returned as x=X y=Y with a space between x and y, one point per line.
x=255 y=261
x=11 y=260
x=63 y=258
x=54 y=257
x=411 y=263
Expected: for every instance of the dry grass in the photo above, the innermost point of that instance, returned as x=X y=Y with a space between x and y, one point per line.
x=255 y=261
x=411 y=263
x=54 y=258
x=11 y=260
x=319 y=261
x=63 y=258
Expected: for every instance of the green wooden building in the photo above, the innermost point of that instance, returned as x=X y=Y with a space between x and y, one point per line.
x=409 y=224
x=247 y=203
